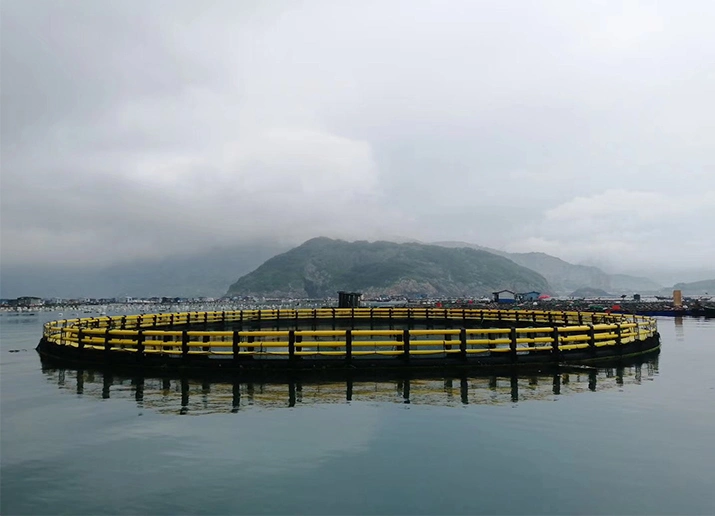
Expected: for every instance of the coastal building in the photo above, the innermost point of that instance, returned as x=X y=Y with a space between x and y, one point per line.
x=504 y=296
x=528 y=296
x=349 y=299
x=27 y=301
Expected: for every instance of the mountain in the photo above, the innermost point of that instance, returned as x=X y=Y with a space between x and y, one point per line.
x=696 y=288
x=627 y=284
x=565 y=277
x=320 y=267
x=208 y=273
x=589 y=292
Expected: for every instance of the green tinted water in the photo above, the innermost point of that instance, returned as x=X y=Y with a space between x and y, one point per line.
x=636 y=440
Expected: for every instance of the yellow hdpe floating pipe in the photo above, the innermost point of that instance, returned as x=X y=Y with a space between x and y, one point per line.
x=162 y=333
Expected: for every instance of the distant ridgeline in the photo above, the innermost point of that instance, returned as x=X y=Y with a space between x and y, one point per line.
x=565 y=277
x=322 y=266
x=697 y=288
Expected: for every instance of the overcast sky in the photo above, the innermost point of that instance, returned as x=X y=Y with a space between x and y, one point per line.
x=148 y=128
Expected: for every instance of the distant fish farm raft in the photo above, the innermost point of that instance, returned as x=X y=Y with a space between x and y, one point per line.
x=294 y=339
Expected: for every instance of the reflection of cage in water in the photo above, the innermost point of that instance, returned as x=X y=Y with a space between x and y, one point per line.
x=179 y=395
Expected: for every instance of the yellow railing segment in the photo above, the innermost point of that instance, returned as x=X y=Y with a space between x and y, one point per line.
x=191 y=333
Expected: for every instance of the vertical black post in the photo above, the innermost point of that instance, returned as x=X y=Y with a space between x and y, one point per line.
x=464 y=390
x=555 y=343
x=205 y=388
x=463 y=344
x=619 y=375
x=591 y=340
x=592 y=379
x=236 y=396
x=184 y=395
x=557 y=383
x=80 y=339
x=291 y=349
x=235 y=347
x=398 y=338
x=514 y=388
x=80 y=381
x=291 y=393
x=512 y=344
x=139 y=390
x=406 y=344
x=140 y=344
x=580 y=318
x=107 y=346
x=185 y=344
x=406 y=390
x=107 y=382
x=348 y=346
x=349 y=389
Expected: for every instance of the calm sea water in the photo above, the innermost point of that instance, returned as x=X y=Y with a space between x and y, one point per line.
x=633 y=440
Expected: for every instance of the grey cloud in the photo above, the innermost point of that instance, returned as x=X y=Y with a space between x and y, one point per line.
x=133 y=129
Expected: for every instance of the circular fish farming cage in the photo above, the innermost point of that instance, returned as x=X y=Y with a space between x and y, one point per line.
x=349 y=338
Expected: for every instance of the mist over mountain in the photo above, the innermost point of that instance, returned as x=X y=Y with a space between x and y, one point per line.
x=206 y=274
x=697 y=288
x=129 y=140
x=565 y=277
x=211 y=272
x=322 y=266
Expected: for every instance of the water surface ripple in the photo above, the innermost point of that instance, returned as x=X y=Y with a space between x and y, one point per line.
x=635 y=439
